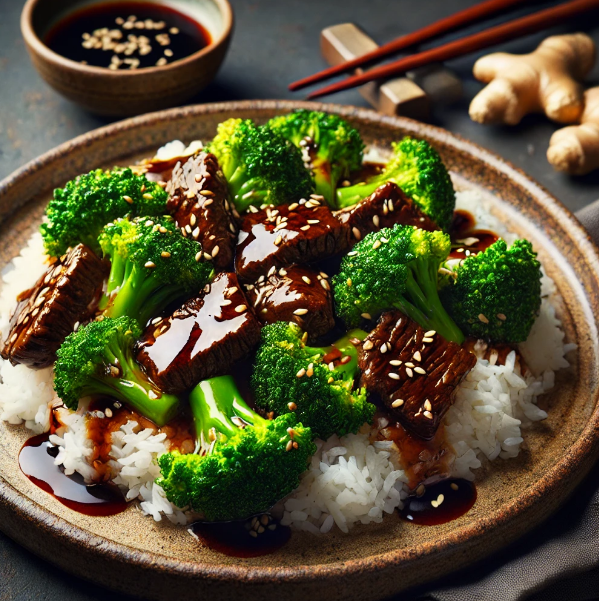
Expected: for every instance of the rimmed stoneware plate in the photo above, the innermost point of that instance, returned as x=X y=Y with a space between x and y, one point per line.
x=159 y=561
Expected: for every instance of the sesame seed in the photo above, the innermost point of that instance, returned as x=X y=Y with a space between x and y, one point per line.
x=14 y=337
x=417 y=356
x=253 y=533
x=282 y=272
x=162 y=229
x=193 y=219
x=128 y=199
x=305 y=228
x=198 y=256
x=188 y=228
x=293 y=206
x=397 y=403
x=420 y=490
x=454 y=486
x=427 y=405
x=325 y=284
x=352 y=253
x=310 y=370
x=376 y=221
x=409 y=364
x=301 y=373
x=430 y=333
x=316 y=196
x=501 y=316
x=394 y=376
x=390 y=205
x=165 y=254
x=482 y=318
x=395 y=362
x=207 y=256
x=368 y=345
x=384 y=348
x=366 y=316
x=313 y=221
x=300 y=311
x=306 y=279
x=226 y=303
x=215 y=251
x=232 y=290
x=425 y=339
x=289 y=445
x=377 y=244
x=240 y=308
x=271 y=271
x=292 y=406
x=349 y=282
x=148 y=196
x=330 y=380
x=409 y=372
x=149 y=264
x=420 y=371
x=356 y=233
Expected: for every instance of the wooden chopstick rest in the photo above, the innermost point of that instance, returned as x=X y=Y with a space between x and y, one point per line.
x=410 y=96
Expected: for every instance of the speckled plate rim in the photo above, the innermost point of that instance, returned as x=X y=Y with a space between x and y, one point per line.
x=570 y=469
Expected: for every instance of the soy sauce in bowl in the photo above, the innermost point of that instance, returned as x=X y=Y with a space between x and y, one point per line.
x=127 y=35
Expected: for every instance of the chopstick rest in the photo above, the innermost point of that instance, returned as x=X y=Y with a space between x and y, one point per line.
x=410 y=96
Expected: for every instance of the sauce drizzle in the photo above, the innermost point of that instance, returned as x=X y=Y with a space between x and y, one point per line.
x=36 y=460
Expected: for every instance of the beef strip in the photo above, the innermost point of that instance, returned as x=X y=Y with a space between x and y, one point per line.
x=385 y=207
x=198 y=199
x=66 y=294
x=419 y=390
x=201 y=339
x=294 y=294
x=287 y=234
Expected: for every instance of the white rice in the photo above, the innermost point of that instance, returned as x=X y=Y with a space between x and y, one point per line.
x=350 y=480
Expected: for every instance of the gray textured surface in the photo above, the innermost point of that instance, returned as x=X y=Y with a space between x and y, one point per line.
x=275 y=42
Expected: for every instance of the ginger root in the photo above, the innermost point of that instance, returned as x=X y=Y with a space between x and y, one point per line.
x=575 y=149
x=543 y=81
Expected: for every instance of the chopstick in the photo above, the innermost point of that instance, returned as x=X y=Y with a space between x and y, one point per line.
x=459 y=19
x=500 y=33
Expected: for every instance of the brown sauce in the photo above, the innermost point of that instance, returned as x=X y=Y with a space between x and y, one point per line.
x=36 y=460
x=137 y=34
x=234 y=539
x=465 y=240
x=421 y=459
x=440 y=502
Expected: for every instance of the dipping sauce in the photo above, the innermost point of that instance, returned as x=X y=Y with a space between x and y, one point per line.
x=127 y=35
x=235 y=538
x=465 y=240
x=440 y=502
x=36 y=460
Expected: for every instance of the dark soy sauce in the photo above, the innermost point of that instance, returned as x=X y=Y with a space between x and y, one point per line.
x=127 y=35
x=462 y=228
x=234 y=538
x=36 y=460
x=440 y=502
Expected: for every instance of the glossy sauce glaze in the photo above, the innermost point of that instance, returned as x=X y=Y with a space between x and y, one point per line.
x=137 y=34
x=465 y=239
x=248 y=538
x=36 y=460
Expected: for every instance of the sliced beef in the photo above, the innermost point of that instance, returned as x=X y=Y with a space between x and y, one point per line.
x=415 y=372
x=66 y=294
x=200 y=340
x=385 y=207
x=287 y=234
x=198 y=199
x=294 y=294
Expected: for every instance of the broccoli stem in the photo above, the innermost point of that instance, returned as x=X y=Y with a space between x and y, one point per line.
x=323 y=180
x=134 y=389
x=423 y=305
x=214 y=402
x=351 y=195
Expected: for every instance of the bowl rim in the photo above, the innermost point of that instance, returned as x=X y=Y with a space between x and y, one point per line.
x=37 y=46
x=572 y=467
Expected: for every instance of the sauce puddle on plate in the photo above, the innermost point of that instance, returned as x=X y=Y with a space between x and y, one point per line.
x=36 y=460
x=127 y=35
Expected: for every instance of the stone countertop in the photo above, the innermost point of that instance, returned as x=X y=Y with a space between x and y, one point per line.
x=274 y=43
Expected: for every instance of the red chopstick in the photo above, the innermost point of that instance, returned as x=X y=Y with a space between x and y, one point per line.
x=459 y=19
x=500 y=33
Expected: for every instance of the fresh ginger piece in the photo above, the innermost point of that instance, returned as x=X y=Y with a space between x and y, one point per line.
x=575 y=149
x=544 y=81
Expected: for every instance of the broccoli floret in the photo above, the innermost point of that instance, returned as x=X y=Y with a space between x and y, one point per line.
x=260 y=166
x=497 y=293
x=335 y=147
x=152 y=265
x=396 y=268
x=244 y=464
x=290 y=377
x=86 y=204
x=98 y=359
x=418 y=170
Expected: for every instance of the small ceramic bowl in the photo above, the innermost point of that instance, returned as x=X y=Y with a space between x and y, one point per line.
x=127 y=92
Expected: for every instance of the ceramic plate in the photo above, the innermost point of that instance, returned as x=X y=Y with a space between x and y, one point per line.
x=132 y=553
